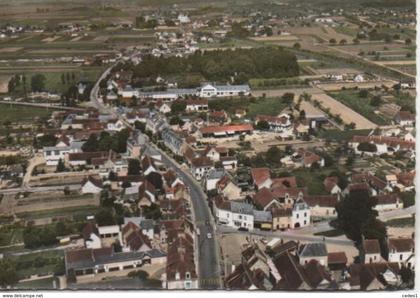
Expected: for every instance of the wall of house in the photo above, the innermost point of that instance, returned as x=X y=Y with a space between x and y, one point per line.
x=373 y=258
x=401 y=257
x=281 y=223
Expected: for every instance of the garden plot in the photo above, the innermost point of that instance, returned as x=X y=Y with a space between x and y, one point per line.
x=347 y=114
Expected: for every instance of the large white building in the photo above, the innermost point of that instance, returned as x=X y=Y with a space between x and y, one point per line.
x=209 y=90
x=234 y=214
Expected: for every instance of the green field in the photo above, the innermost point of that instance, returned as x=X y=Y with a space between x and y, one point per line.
x=313 y=182
x=340 y=135
x=45 y=283
x=53 y=81
x=75 y=212
x=361 y=105
x=44 y=262
x=21 y=113
x=254 y=106
x=10 y=236
x=401 y=222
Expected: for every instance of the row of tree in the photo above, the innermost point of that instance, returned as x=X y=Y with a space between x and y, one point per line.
x=239 y=64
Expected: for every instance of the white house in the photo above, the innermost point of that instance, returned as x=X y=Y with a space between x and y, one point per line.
x=53 y=154
x=115 y=125
x=200 y=166
x=91 y=185
x=212 y=177
x=372 y=251
x=234 y=214
x=209 y=90
x=401 y=251
x=109 y=235
x=301 y=214
x=314 y=251
x=387 y=202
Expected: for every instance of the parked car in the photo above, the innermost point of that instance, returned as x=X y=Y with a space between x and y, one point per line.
x=209 y=236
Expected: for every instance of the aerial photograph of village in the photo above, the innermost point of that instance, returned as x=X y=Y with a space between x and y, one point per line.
x=207 y=145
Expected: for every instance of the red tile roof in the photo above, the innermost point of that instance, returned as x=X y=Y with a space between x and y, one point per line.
x=227 y=128
x=260 y=175
x=372 y=246
x=337 y=258
x=401 y=244
x=321 y=200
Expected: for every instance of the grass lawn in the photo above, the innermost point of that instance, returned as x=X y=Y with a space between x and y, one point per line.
x=22 y=113
x=53 y=82
x=361 y=105
x=340 y=135
x=76 y=212
x=10 y=236
x=266 y=106
x=312 y=180
x=254 y=106
x=45 y=283
x=330 y=233
x=26 y=263
x=401 y=222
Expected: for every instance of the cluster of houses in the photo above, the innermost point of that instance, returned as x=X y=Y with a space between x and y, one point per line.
x=140 y=243
x=291 y=265
x=167 y=242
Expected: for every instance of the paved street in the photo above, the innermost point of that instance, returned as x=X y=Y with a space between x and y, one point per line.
x=208 y=260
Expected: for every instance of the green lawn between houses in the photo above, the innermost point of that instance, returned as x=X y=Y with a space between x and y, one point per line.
x=22 y=113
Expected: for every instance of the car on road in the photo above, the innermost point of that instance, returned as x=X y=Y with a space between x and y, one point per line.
x=243 y=229
x=209 y=236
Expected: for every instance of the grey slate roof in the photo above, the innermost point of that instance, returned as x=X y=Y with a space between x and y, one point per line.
x=262 y=216
x=317 y=249
x=242 y=208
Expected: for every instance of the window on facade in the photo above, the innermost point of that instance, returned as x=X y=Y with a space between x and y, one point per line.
x=187 y=275
x=304 y=222
x=297 y=215
x=304 y=214
x=401 y=257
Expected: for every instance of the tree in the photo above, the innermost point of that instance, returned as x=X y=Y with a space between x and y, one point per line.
x=60 y=166
x=152 y=212
x=408 y=41
x=133 y=167
x=155 y=179
x=105 y=217
x=302 y=115
x=357 y=218
x=333 y=41
x=288 y=97
x=296 y=45
x=367 y=147
x=140 y=274
x=273 y=155
x=263 y=125
x=38 y=82
x=91 y=145
x=8 y=275
x=175 y=120
x=343 y=41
